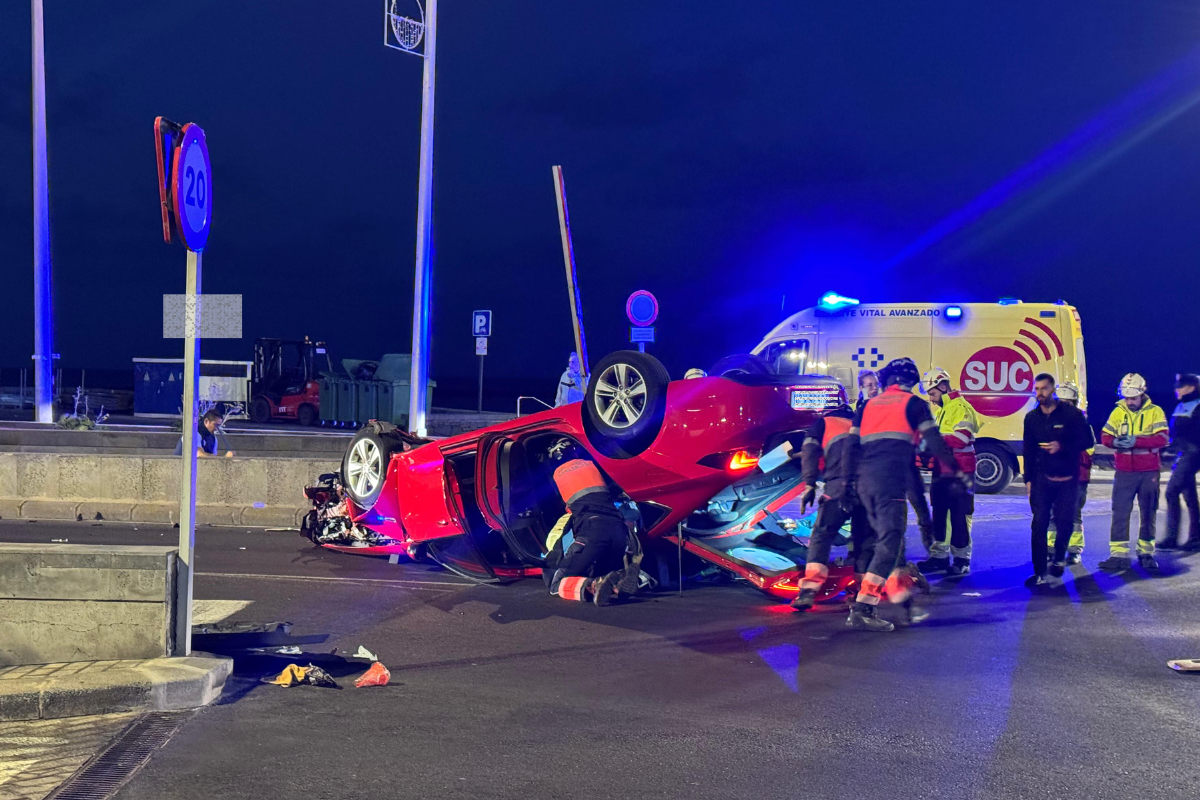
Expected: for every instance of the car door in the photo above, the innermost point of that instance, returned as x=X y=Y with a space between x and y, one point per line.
x=505 y=489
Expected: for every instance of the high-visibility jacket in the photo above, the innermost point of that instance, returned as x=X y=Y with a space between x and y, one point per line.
x=578 y=477
x=885 y=418
x=958 y=424
x=828 y=449
x=1148 y=424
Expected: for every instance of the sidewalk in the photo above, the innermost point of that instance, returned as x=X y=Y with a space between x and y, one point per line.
x=52 y=691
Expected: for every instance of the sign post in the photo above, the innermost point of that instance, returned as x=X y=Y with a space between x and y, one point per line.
x=641 y=309
x=564 y=229
x=185 y=191
x=481 y=329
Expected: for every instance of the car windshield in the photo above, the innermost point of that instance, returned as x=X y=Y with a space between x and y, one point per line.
x=788 y=358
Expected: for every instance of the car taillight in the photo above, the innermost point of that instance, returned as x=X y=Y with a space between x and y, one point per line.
x=742 y=460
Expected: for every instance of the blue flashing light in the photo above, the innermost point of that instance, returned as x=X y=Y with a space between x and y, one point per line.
x=953 y=312
x=1009 y=301
x=832 y=301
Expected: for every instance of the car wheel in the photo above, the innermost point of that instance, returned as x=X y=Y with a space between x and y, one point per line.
x=307 y=415
x=260 y=410
x=364 y=467
x=993 y=468
x=626 y=400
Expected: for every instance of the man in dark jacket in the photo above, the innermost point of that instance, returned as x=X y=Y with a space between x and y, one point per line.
x=1055 y=434
x=1185 y=436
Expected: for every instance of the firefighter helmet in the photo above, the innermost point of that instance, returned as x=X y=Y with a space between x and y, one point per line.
x=1067 y=391
x=935 y=376
x=900 y=371
x=1132 y=385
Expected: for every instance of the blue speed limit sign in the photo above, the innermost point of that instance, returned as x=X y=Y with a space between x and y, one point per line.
x=192 y=187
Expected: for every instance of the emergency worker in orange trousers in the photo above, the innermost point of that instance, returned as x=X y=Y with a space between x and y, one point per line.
x=829 y=442
x=889 y=428
x=586 y=558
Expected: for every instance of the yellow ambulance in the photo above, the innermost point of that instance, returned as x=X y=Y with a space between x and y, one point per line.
x=993 y=351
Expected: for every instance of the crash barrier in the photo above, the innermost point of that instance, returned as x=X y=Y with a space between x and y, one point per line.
x=229 y=491
x=64 y=602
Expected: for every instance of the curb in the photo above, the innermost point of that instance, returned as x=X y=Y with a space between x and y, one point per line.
x=86 y=688
x=117 y=511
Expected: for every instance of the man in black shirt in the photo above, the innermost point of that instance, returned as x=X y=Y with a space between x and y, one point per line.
x=1055 y=434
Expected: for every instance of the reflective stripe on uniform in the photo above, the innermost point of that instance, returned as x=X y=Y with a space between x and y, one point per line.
x=899 y=585
x=814 y=576
x=873 y=437
x=572 y=588
x=1119 y=549
x=576 y=478
x=1145 y=547
x=871 y=589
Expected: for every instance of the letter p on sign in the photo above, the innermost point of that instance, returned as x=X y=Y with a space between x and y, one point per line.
x=481 y=324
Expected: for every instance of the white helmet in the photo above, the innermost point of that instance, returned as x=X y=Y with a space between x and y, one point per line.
x=933 y=377
x=1067 y=391
x=694 y=373
x=1132 y=385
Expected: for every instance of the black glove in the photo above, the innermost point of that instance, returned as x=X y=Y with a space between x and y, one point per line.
x=807 y=499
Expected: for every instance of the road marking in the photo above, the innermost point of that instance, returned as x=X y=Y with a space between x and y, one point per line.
x=388 y=581
x=208 y=612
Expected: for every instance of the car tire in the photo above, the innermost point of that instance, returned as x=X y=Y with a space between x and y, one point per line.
x=993 y=468
x=626 y=401
x=364 y=466
x=260 y=410
x=307 y=415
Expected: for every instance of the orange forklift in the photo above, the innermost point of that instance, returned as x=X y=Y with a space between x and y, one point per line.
x=285 y=382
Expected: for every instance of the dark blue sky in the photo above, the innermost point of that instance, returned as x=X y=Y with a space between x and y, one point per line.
x=720 y=154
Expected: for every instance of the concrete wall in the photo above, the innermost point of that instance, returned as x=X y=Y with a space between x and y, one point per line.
x=63 y=602
x=237 y=491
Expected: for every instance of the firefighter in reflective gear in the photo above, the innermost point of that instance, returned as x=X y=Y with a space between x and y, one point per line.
x=1069 y=393
x=1137 y=430
x=830 y=440
x=889 y=427
x=586 y=559
x=953 y=509
x=1185 y=435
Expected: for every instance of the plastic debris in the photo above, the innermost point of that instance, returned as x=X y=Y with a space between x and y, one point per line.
x=290 y=650
x=972 y=594
x=59 y=541
x=365 y=653
x=1185 y=664
x=241 y=548
x=377 y=675
x=294 y=675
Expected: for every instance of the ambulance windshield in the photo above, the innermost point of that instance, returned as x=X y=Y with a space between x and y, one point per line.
x=788 y=358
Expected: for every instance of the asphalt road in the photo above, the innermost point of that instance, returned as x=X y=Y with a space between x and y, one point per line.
x=504 y=692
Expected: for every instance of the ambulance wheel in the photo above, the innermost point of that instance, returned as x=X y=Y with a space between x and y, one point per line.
x=626 y=401
x=993 y=468
x=260 y=410
x=364 y=467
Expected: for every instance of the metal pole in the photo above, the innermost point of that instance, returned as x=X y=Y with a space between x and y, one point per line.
x=564 y=228
x=43 y=310
x=419 y=376
x=182 y=626
x=479 y=405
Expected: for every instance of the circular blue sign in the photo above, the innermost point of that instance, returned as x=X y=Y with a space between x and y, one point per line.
x=191 y=189
x=641 y=308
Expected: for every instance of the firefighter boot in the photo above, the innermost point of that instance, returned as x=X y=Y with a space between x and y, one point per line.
x=1115 y=564
x=1148 y=562
x=913 y=614
x=960 y=567
x=934 y=564
x=1170 y=543
x=862 y=617
x=805 y=600
x=1073 y=559
x=605 y=589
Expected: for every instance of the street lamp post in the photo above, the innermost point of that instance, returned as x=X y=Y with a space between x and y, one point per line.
x=43 y=301
x=408 y=34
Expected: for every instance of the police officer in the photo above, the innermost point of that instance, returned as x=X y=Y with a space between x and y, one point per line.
x=889 y=427
x=952 y=509
x=1185 y=435
x=587 y=549
x=831 y=438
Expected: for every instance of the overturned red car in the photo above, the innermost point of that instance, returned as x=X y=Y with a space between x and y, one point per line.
x=704 y=461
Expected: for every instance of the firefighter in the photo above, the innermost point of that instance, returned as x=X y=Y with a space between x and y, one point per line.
x=1137 y=430
x=1069 y=393
x=889 y=427
x=1185 y=435
x=952 y=510
x=586 y=558
x=830 y=438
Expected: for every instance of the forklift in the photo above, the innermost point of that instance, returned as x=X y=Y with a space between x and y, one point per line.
x=285 y=382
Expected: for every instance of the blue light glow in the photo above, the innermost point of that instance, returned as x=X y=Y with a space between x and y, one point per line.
x=1009 y=301
x=832 y=301
x=953 y=312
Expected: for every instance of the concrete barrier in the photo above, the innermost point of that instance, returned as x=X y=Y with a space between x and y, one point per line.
x=140 y=488
x=64 y=602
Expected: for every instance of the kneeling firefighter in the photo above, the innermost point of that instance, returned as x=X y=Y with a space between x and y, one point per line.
x=587 y=547
x=830 y=438
x=889 y=428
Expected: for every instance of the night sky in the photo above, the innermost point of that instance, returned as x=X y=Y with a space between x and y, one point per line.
x=723 y=155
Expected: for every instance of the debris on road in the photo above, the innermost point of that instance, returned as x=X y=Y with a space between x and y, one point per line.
x=972 y=594
x=365 y=653
x=1185 y=664
x=377 y=675
x=329 y=522
x=294 y=675
x=292 y=650
x=59 y=541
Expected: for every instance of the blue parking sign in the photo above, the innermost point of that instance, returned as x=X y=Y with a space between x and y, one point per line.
x=481 y=324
